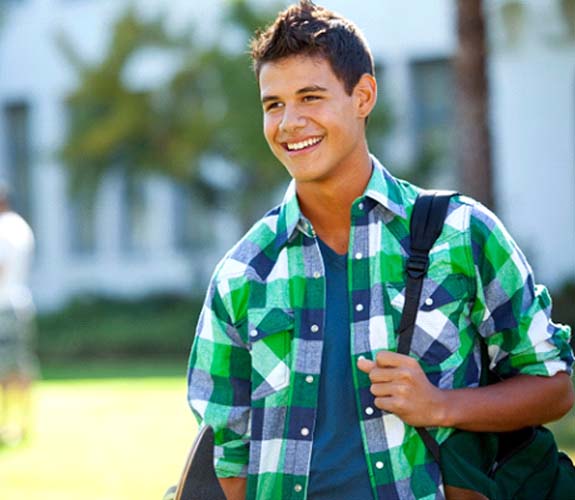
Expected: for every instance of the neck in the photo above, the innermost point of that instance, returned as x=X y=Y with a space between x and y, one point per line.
x=327 y=204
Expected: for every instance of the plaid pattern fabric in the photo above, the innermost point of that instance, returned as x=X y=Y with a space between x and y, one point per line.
x=256 y=358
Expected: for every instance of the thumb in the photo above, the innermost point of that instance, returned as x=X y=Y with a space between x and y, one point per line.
x=365 y=365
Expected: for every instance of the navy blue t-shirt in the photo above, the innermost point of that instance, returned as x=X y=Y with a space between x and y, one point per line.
x=338 y=469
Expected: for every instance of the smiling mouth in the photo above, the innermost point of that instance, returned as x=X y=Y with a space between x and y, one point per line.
x=299 y=146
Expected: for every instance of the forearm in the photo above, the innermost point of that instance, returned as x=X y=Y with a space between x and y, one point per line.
x=234 y=487
x=518 y=402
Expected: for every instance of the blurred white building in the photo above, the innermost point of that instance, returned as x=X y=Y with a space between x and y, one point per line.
x=153 y=239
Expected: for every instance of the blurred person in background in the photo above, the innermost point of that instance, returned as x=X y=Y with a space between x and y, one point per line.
x=18 y=363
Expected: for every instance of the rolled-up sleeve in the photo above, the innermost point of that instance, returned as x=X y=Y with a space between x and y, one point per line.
x=219 y=384
x=511 y=312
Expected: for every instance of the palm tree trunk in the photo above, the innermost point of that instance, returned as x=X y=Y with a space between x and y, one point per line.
x=473 y=137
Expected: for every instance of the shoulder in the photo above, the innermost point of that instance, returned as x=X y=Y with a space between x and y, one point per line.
x=467 y=221
x=460 y=211
x=252 y=255
x=466 y=214
x=485 y=234
x=250 y=262
x=16 y=230
x=484 y=224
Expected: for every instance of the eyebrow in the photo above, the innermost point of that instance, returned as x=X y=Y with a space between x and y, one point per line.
x=304 y=90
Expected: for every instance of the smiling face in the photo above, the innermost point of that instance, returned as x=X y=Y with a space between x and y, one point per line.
x=312 y=125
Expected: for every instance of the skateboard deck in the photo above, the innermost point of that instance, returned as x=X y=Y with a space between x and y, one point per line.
x=198 y=480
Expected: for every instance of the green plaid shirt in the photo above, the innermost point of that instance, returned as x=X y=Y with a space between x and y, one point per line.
x=255 y=361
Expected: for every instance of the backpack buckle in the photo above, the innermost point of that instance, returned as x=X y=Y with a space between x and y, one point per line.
x=417 y=266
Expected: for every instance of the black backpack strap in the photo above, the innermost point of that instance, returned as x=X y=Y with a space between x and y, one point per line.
x=426 y=225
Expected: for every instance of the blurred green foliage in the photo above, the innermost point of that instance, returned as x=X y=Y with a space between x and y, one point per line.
x=209 y=107
x=170 y=366
x=104 y=328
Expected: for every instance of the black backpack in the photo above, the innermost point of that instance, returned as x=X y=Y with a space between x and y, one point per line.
x=523 y=464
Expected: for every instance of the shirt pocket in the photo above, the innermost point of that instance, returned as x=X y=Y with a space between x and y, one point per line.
x=270 y=337
x=443 y=312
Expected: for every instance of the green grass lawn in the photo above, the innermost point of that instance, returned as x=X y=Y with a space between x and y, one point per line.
x=102 y=438
x=115 y=431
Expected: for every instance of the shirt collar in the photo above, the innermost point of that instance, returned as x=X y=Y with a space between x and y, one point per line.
x=385 y=189
x=291 y=218
x=382 y=187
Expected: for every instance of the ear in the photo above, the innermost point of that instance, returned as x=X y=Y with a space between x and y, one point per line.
x=365 y=95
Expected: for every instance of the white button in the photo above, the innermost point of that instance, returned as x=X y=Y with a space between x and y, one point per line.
x=369 y=410
x=379 y=465
x=314 y=328
x=361 y=357
x=428 y=301
x=316 y=274
x=360 y=206
x=359 y=307
x=309 y=379
x=298 y=488
x=304 y=431
x=358 y=255
x=254 y=333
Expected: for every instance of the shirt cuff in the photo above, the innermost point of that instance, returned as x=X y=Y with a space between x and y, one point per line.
x=225 y=468
x=231 y=461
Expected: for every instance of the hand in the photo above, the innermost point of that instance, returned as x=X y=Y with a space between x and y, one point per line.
x=401 y=387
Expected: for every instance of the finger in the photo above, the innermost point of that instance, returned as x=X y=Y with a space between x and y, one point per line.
x=377 y=374
x=381 y=390
x=385 y=403
x=393 y=359
x=365 y=365
x=395 y=389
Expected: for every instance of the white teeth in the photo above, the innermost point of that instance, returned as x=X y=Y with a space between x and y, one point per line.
x=296 y=146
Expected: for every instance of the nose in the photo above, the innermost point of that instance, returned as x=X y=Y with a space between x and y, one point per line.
x=292 y=119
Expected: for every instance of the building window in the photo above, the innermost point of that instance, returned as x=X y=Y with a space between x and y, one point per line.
x=433 y=119
x=133 y=227
x=192 y=229
x=18 y=156
x=82 y=225
x=80 y=207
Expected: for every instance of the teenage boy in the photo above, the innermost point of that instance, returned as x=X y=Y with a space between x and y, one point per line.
x=294 y=362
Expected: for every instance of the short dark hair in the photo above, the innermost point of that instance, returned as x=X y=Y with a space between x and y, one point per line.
x=310 y=30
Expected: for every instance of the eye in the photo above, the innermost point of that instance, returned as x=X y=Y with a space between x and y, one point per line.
x=309 y=98
x=270 y=106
